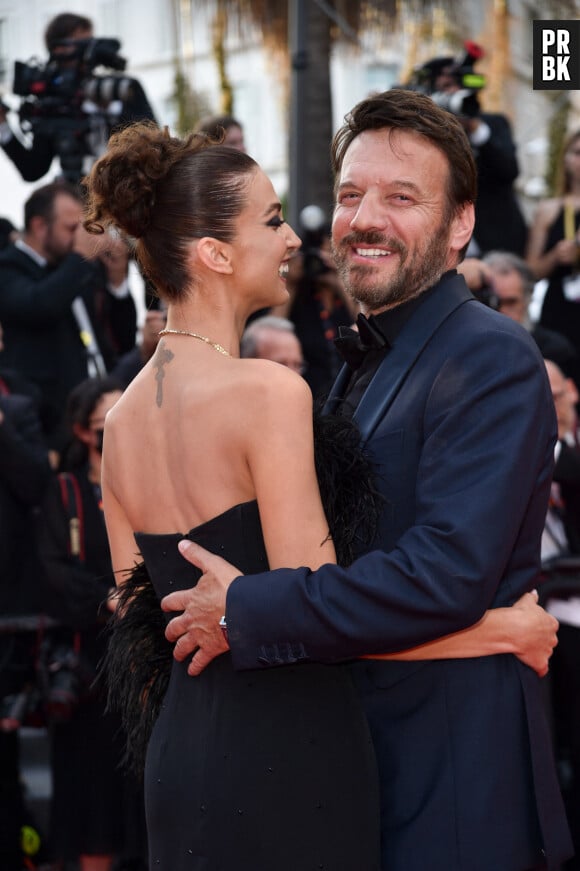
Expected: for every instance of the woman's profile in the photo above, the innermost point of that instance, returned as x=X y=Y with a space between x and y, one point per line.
x=244 y=771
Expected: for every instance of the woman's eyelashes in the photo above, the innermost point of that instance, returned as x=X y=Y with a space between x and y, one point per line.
x=275 y=221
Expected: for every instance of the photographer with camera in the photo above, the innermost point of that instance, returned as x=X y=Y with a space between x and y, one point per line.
x=65 y=307
x=454 y=85
x=69 y=110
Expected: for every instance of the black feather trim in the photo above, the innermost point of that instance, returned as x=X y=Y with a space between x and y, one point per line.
x=347 y=481
x=138 y=660
x=137 y=663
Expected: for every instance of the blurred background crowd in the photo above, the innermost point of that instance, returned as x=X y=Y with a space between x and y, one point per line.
x=78 y=321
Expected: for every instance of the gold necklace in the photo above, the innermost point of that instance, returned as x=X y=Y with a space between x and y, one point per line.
x=219 y=348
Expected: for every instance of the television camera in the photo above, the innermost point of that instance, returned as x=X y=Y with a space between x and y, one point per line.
x=68 y=103
x=452 y=83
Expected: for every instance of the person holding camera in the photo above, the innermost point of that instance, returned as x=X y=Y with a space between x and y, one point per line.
x=65 y=304
x=453 y=85
x=74 y=52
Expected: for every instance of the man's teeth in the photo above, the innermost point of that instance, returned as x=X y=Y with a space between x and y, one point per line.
x=372 y=252
x=283 y=270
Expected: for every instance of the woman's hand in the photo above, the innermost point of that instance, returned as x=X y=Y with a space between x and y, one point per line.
x=534 y=633
x=566 y=252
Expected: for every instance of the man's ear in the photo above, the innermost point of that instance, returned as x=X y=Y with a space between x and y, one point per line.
x=37 y=226
x=215 y=255
x=462 y=226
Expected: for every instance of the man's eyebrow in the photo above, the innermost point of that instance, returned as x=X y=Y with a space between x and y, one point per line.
x=395 y=183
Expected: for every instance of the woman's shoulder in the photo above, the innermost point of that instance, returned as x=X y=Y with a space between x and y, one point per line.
x=271 y=395
x=270 y=379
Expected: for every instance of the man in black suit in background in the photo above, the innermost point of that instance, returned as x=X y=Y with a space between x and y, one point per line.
x=65 y=303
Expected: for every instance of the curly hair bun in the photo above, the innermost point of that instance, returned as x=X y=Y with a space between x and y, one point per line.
x=122 y=184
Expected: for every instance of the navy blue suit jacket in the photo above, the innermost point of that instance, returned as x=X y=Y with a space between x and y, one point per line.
x=460 y=420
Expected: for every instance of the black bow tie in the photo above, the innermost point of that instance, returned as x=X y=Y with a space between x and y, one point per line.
x=354 y=345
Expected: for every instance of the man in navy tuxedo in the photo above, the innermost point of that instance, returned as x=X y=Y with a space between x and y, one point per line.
x=453 y=403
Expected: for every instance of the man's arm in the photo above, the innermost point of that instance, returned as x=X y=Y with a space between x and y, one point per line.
x=497 y=156
x=484 y=473
x=32 y=163
x=32 y=300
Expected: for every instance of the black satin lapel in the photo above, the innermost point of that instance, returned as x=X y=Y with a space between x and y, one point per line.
x=408 y=347
x=337 y=391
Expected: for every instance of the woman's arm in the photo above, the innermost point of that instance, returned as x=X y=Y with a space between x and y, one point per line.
x=525 y=629
x=542 y=262
x=279 y=447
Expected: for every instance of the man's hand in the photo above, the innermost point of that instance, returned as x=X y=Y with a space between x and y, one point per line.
x=90 y=245
x=115 y=258
x=197 y=629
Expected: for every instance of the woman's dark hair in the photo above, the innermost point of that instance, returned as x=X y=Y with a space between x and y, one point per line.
x=164 y=192
x=81 y=402
x=400 y=109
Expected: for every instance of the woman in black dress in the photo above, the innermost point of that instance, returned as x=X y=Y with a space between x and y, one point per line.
x=244 y=772
x=554 y=249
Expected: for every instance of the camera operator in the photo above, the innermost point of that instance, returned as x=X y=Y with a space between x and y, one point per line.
x=63 y=120
x=454 y=85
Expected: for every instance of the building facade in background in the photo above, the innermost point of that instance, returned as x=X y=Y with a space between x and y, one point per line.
x=161 y=37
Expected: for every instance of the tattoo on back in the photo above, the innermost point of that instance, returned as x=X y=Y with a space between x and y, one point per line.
x=162 y=356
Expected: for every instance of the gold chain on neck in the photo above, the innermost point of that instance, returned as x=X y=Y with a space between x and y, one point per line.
x=219 y=348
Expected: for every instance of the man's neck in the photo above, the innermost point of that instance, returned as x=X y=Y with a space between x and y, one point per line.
x=28 y=246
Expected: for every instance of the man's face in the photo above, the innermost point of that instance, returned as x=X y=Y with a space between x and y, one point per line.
x=507 y=284
x=446 y=81
x=281 y=347
x=393 y=235
x=234 y=137
x=58 y=234
x=67 y=55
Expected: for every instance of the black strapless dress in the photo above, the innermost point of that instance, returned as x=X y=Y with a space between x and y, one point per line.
x=269 y=770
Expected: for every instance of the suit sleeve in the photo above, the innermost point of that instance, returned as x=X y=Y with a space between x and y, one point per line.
x=28 y=299
x=32 y=163
x=497 y=158
x=482 y=484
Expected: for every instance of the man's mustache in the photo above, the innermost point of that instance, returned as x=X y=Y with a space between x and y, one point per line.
x=372 y=237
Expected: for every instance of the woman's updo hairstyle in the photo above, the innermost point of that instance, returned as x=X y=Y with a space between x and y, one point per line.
x=164 y=192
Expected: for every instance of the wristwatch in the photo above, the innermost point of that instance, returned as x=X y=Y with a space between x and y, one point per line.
x=224 y=627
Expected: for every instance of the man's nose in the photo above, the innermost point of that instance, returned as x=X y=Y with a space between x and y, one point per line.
x=370 y=215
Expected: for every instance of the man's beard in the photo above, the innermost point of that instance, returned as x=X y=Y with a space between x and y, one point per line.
x=412 y=278
x=53 y=252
